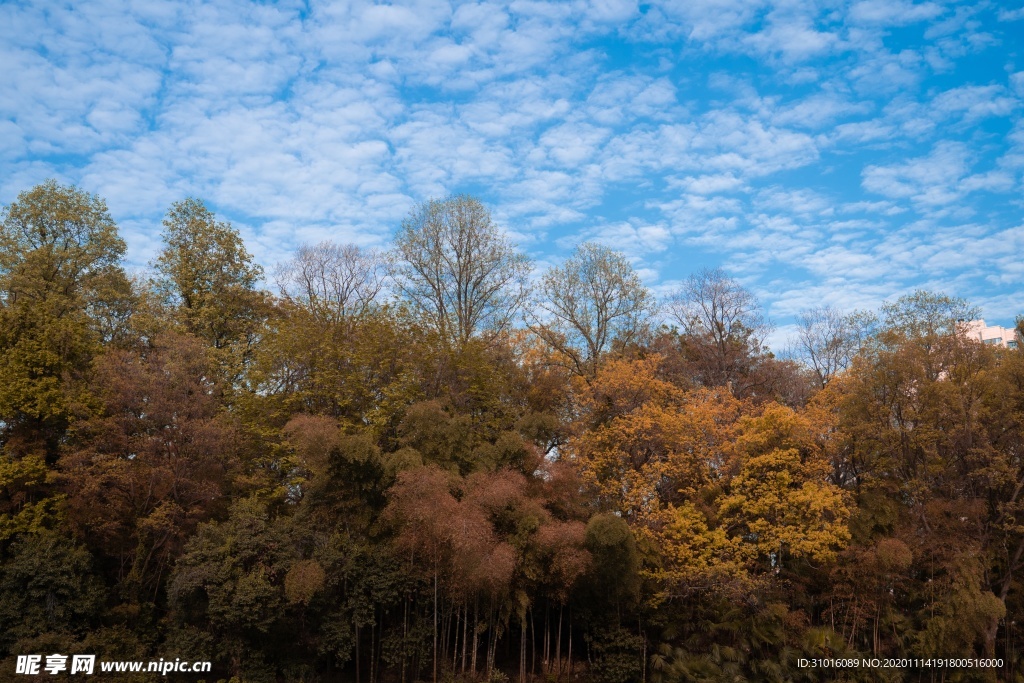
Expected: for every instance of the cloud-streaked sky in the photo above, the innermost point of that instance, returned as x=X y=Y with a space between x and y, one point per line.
x=820 y=151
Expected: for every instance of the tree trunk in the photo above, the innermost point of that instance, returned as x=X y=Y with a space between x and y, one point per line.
x=446 y=632
x=373 y=648
x=569 y=672
x=492 y=644
x=546 y=668
x=558 y=645
x=476 y=633
x=459 y=620
x=465 y=623
x=643 y=649
x=533 y=645
x=405 y=632
x=522 y=650
x=435 y=624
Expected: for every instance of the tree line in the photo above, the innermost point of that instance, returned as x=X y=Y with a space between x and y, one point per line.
x=429 y=464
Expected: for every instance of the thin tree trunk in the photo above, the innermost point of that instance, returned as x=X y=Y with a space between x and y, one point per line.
x=522 y=649
x=492 y=644
x=874 y=635
x=533 y=644
x=476 y=632
x=465 y=623
x=375 y=642
x=455 y=642
x=405 y=632
x=546 y=668
x=643 y=650
x=569 y=674
x=853 y=626
x=493 y=640
x=558 y=645
x=446 y=624
x=435 y=624
x=373 y=650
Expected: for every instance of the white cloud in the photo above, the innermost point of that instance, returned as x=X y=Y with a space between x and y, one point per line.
x=887 y=73
x=635 y=238
x=791 y=37
x=729 y=129
x=802 y=203
x=975 y=102
x=820 y=110
x=893 y=12
x=930 y=180
x=710 y=184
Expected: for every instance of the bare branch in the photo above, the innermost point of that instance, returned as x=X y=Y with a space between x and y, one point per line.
x=333 y=281
x=826 y=341
x=723 y=323
x=595 y=297
x=458 y=270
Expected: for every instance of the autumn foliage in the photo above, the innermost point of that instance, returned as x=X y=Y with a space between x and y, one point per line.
x=358 y=480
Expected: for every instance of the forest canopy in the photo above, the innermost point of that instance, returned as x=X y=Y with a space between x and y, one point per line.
x=426 y=464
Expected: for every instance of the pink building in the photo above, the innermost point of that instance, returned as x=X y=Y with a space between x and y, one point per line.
x=992 y=334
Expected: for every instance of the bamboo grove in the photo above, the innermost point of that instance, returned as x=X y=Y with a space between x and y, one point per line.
x=434 y=464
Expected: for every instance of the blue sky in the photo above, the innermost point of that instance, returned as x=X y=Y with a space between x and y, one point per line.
x=821 y=152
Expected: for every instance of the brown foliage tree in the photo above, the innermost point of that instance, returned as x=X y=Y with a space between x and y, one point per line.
x=155 y=461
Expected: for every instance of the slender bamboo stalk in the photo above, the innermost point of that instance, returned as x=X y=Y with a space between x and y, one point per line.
x=465 y=622
x=476 y=632
x=558 y=645
x=435 y=624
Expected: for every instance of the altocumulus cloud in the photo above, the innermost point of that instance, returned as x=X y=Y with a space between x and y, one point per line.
x=838 y=152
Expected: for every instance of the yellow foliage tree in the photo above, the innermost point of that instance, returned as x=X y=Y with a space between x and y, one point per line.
x=723 y=493
x=781 y=503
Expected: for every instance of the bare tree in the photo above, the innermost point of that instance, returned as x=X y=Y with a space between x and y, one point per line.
x=593 y=298
x=826 y=341
x=458 y=270
x=723 y=323
x=333 y=281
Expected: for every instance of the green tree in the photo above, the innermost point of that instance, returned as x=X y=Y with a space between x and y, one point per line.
x=363 y=371
x=205 y=276
x=231 y=583
x=59 y=263
x=56 y=244
x=28 y=503
x=48 y=592
x=931 y=431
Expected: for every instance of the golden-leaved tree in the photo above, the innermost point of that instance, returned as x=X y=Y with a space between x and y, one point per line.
x=724 y=490
x=59 y=267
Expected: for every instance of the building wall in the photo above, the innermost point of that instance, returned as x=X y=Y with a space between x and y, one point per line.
x=1005 y=337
